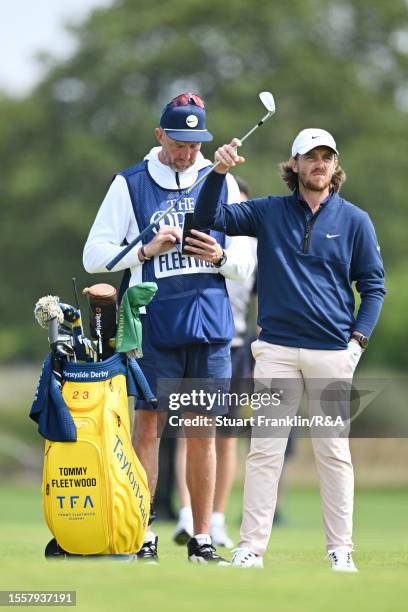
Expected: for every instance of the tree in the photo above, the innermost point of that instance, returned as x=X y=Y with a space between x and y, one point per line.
x=333 y=64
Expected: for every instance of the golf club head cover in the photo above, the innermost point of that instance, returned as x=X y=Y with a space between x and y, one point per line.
x=46 y=309
x=103 y=315
x=71 y=314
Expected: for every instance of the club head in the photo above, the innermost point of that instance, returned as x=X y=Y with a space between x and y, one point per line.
x=267 y=100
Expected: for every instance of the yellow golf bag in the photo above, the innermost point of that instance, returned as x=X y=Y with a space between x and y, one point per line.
x=95 y=493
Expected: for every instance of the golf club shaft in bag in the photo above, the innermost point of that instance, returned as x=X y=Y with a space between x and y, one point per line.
x=53 y=342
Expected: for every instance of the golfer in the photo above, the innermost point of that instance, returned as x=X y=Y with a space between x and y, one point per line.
x=312 y=245
x=188 y=326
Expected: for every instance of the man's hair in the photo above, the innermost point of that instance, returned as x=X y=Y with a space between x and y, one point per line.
x=243 y=186
x=291 y=178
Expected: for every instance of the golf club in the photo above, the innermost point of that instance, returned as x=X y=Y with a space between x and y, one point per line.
x=49 y=316
x=84 y=349
x=103 y=314
x=269 y=103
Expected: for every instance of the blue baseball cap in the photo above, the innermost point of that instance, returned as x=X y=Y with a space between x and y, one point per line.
x=183 y=119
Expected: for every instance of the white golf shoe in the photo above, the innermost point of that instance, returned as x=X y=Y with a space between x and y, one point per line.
x=341 y=560
x=184 y=529
x=218 y=531
x=246 y=558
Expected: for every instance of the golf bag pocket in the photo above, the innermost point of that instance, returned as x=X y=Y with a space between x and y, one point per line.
x=95 y=492
x=75 y=497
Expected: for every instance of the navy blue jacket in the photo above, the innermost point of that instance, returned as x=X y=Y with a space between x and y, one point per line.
x=306 y=264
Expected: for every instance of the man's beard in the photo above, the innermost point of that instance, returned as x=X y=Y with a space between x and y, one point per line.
x=180 y=166
x=182 y=169
x=166 y=159
x=312 y=186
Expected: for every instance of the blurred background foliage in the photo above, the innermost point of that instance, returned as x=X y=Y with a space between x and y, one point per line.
x=341 y=65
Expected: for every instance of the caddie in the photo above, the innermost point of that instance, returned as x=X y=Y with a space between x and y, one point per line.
x=188 y=326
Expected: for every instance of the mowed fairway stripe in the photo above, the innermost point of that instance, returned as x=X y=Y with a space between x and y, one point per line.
x=296 y=575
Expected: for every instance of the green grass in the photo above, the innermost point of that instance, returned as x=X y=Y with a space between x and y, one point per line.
x=296 y=575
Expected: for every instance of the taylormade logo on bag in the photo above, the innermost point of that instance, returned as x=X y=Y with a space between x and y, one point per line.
x=98 y=320
x=125 y=464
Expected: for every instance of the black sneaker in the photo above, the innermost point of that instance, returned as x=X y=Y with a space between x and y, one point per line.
x=148 y=552
x=54 y=551
x=204 y=553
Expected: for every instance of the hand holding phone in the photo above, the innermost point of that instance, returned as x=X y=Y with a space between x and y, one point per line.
x=187 y=227
x=201 y=244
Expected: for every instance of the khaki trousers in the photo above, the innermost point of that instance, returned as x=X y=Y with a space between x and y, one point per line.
x=293 y=371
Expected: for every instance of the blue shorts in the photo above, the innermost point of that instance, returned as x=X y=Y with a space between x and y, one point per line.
x=175 y=371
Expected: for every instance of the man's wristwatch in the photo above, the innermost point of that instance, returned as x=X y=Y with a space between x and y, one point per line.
x=143 y=254
x=222 y=260
x=362 y=340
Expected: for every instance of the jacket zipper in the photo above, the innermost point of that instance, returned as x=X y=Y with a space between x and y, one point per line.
x=308 y=231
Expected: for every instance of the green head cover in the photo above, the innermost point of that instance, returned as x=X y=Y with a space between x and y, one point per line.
x=129 y=331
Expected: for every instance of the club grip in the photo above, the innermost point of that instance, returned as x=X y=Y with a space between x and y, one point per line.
x=53 y=331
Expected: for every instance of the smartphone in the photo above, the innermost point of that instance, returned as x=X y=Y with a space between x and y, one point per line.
x=187 y=227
